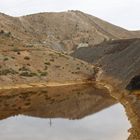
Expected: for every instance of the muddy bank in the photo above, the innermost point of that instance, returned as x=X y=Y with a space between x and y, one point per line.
x=131 y=102
x=70 y=102
x=47 y=84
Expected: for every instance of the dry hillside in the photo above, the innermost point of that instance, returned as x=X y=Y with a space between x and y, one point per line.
x=31 y=55
x=39 y=65
x=34 y=35
x=62 y=31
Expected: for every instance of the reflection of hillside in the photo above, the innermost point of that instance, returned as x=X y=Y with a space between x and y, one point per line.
x=71 y=102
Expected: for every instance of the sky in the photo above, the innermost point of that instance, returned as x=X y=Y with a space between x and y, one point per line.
x=124 y=13
x=108 y=124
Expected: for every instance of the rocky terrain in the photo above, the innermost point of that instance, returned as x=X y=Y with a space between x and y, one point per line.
x=53 y=49
x=118 y=59
x=41 y=66
x=27 y=44
x=64 y=31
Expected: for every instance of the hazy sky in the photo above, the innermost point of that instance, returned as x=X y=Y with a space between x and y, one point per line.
x=108 y=124
x=125 y=13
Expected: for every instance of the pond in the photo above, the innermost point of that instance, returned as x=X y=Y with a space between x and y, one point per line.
x=62 y=113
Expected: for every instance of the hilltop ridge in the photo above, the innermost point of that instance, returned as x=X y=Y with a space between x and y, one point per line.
x=62 y=31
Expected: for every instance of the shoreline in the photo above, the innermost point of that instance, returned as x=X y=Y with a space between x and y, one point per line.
x=49 y=84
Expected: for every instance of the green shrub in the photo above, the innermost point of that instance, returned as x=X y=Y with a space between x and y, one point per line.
x=43 y=73
x=78 y=68
x=47 y=63
x=7 y=71
x=5 y=59
x=23 y=69
x=28 y=74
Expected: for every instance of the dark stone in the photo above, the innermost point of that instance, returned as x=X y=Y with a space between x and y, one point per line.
x=134 y=83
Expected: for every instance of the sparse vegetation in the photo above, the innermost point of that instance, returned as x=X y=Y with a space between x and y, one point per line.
x=18 y=53
x=23 y=69
x=7 y=34
x=12 y=57
x=57 y=66
x=43 y=73
x=47 y=63
x=78 y=68
x=46 y=67
x=28 y=64
x=52 y=60
x=15 y=49
x=62 y=55
x=27 y=58
x=5 y=59
x=29 y=46
x=7 y=71
x=25 y=53
x=28 y=74
x=2 y=32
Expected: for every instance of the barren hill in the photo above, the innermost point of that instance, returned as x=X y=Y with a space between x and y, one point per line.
x=93 y=40
x=62 y=31
x=31 y=55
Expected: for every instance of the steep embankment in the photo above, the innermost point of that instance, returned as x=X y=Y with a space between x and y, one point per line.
x=118 y=59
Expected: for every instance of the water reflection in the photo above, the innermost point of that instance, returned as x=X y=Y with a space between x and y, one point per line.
x=84 y=112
